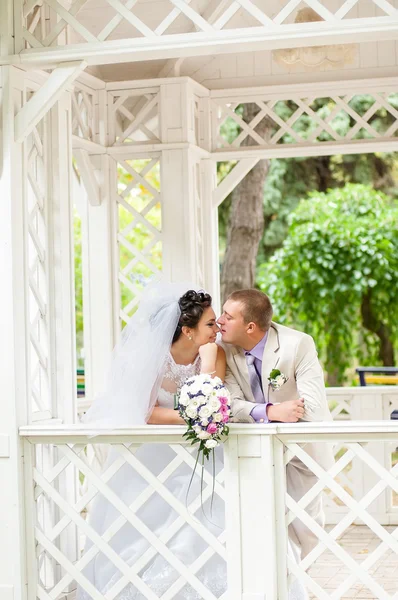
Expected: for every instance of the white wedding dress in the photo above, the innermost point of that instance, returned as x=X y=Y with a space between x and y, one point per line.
x=160 y=518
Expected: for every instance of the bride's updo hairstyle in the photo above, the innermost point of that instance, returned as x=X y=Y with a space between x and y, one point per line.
x=192 y=305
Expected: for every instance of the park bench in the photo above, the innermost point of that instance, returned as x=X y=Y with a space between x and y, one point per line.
x=379 y=376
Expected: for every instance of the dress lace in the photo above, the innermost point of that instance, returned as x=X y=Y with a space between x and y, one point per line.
x=174 y=378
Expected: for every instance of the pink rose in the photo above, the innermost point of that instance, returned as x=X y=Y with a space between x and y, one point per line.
x=224 y=409
x=212 y=428
x=223 y=400
x=225 y=418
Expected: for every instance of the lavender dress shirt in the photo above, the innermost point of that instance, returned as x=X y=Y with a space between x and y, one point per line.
x=259 y=412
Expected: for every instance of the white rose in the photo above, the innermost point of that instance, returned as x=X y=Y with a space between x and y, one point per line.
x=191 y=412
x=204 y=422
x=194 y=403
x=205 y=412
x=280 y=380
x=197 y=429
x=207 y=388
x=214 y=405
x=184 y=399
x=194 y=388
x=217 y=418
x=211 y=444
x=203 y=435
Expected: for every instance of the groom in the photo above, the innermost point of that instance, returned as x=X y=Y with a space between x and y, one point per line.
x=255 y=346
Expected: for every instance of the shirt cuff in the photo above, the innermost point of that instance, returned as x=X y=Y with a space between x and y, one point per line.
x=259 y=413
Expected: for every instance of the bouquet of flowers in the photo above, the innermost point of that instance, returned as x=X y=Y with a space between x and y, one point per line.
x=204 y=404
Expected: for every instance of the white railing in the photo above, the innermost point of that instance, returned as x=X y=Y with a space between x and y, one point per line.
x=363 y=404
x=346 y=404
x=252 y=486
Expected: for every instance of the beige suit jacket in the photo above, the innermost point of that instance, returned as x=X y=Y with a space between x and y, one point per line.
x=295 y=355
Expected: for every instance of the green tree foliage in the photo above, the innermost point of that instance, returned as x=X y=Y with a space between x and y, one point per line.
x=336 y=272
x=290 y=180
x=77 y=230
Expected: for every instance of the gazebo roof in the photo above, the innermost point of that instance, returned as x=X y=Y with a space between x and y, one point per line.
x=247 y=69
x=208 y=40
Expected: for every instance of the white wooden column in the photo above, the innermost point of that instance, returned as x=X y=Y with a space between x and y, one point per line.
x=98 y=256
x=62 y=303
x=250 y=517
x=208 y=183
x=13 y=346
x=6 y=27
x=181 y=221
x=366 y=407
x=61 y=263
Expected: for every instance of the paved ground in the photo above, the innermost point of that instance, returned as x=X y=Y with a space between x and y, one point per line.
x=359 y=542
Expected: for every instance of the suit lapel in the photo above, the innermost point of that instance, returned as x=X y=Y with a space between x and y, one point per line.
x=270 y=357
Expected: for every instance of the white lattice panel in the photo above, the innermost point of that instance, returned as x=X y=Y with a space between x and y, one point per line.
x=51 y=22
x=360 y=404
x=295 y=119
x=356 y=571
x=154 y=486
x=139 y=228
x=37 y=252
x=84 y=113
x=133 y=116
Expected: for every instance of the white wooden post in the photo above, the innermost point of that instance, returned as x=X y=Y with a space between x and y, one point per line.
x=6 y=27
x=97 y=260
x=367 y=405
x=62 y=301
x=208 y=173
x=250 y=517
x=13 y=347
x=61 y=264
x=98 y=257
x=182 y=259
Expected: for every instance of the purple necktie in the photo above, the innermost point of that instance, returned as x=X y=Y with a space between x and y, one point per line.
x=254 y=379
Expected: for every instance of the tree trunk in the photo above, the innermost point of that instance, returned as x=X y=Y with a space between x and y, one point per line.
x=246 y=220
x=324 y=173
x=334 y=375
x=373 y=323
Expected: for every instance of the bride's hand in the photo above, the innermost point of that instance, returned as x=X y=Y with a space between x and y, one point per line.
x=208 y=357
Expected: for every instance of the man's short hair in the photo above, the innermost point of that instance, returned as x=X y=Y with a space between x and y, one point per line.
x=256 y=307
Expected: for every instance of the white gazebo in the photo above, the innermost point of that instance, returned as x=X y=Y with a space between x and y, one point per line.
x=119 y=107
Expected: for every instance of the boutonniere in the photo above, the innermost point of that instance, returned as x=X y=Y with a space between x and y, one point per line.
x=277 y=379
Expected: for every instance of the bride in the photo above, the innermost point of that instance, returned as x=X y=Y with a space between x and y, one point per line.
x=170 y=338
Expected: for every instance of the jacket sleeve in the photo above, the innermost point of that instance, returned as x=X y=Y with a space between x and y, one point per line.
x=310 y=381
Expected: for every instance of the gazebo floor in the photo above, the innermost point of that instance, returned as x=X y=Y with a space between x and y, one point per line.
x=359 y=542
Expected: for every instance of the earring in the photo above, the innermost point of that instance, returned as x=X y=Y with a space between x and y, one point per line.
x=190 y=337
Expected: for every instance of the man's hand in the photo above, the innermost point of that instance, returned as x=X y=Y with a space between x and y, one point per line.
x=286 y=412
